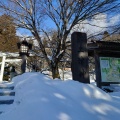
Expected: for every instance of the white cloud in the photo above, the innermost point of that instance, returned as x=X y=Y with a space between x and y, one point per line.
x=97 y=24
x=114 y=20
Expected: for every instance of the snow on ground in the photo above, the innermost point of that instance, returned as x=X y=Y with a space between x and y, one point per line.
x=41 y=98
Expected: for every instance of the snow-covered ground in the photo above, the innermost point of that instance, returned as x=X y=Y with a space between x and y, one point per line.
x=40 y=98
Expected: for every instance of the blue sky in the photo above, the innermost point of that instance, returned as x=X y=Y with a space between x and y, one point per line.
x=107 y=21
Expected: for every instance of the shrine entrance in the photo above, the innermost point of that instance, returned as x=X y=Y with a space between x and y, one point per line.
x=8 y=58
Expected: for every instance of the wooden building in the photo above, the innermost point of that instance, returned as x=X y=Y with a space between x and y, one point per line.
x=107 y=61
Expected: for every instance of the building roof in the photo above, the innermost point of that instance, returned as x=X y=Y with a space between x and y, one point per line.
x=103 y=46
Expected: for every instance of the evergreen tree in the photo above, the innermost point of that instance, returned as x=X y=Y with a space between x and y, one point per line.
x=8 y=38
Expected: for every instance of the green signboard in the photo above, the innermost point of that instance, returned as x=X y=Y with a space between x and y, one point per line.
x=110 y=69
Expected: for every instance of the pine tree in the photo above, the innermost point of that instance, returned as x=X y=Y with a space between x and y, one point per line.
x=8 y=38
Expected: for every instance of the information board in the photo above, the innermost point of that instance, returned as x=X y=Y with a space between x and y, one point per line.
x=110 y=69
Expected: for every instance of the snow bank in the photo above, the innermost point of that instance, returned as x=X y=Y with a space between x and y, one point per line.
x=39 y=97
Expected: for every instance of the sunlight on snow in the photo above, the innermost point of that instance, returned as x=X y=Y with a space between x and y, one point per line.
x=44 y=99
x=87 y=92
x=59 y=96
x=104 y=108
x=91 y=91
x=64 y=116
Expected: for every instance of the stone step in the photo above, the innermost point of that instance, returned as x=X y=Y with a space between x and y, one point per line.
x=7 y=97
x=6 y=102
x=7 y=93
x=5 y=107
x=6 y=87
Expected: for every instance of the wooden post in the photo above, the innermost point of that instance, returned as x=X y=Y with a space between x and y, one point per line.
x=79 y=65
x=97 y=69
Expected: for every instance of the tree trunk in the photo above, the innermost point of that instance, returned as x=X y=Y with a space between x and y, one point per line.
x=55 y=72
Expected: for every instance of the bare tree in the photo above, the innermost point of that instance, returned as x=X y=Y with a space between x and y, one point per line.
x=64 y=14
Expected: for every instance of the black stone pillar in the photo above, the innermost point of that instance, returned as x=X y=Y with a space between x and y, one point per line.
x=79 y=65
